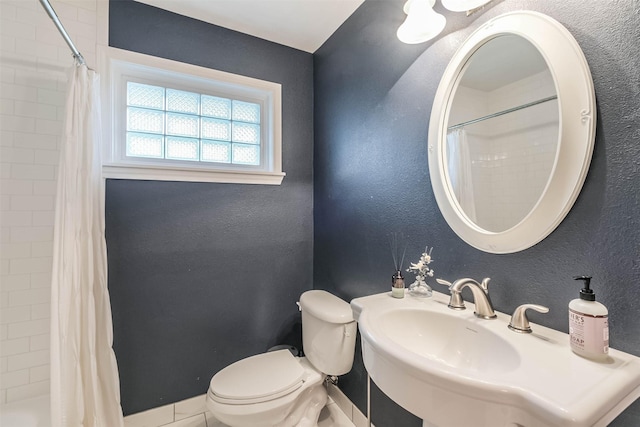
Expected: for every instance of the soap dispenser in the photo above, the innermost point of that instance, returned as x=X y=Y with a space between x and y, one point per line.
x=588 y=324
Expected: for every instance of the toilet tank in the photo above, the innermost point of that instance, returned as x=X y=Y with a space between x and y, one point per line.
x=328 y=332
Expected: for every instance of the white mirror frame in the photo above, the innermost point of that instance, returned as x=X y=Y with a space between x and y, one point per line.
x=577 y=107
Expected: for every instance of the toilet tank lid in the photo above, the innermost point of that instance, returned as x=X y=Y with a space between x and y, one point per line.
x=326 y=306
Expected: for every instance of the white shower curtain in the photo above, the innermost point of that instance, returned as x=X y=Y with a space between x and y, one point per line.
x=460 y=171
x=85 y=388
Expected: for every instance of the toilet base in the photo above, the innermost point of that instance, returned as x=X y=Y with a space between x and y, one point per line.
x=307 y=410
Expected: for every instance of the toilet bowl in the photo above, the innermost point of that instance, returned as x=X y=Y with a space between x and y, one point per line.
x=263 y=390
x=278 y=389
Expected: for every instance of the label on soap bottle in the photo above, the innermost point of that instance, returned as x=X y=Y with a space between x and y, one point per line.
x=588 y=334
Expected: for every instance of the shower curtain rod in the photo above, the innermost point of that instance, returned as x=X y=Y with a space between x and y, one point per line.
x=501 y=113
x=52 y=14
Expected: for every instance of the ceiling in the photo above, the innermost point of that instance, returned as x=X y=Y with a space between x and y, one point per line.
x=301 y=24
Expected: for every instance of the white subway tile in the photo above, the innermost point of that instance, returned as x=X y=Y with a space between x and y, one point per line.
x=32 y=109
x=19 y=92
x=3 y=397
x=82 y=4
x=5 y=200
x=359 y=419
x=213 y=422
x=4 y=267
x=46 y=157
x=41 y=249
x=39 y=342
x=151 y=418
x=31 y=234
x=30 y=265
x=189 y=407
x=40 y=311
x=16 y=186
x=36 y=79
x=13 y=347
x=15 y=314
x=6 y=139
x=17 y=123
x=29 y=16
x=7 y=106
x=14 y=250
x=7 y=45
x=43 y=218
x=332 y=416
x=341 y=400
x=15 y=282
x=20 y=61
x=16 y=155
x=40 y=280
x=46 y=33
x=20 y=30
x=69 y=12
x=28 y=360
x=193 y=421
x=28 y=391
x=7 y=11
x=3 y=332
x=33 y=140
x=3 y=365
x=46 y=187
x=87 y=16
x=38 y=172
x=5 y=232
x=28 y=328
x=14 y=379
x=27 y=297
x=51 y=97
x=40 y=49
x=4 y=300
x=83 y=30
x=48 y=127
x=39 y=373
x=32 y=203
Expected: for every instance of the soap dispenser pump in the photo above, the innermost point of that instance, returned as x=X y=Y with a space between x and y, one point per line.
x=588 y=324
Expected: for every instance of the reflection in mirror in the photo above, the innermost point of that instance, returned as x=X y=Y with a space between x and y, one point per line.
x=502 y=133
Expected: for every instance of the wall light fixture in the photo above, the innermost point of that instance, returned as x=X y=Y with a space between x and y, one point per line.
x=423 y=23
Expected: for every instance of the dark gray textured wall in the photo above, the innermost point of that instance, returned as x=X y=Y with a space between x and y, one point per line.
x=201 y=274
x=373 y=99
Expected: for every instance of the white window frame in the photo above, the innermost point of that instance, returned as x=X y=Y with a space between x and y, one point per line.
x=118 y=66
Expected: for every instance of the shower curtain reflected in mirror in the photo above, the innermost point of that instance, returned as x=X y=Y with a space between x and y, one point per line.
x=85 y=389
x=459 y=166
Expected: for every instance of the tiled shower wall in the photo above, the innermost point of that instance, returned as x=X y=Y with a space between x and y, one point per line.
x=525 y=148
x=33 y=61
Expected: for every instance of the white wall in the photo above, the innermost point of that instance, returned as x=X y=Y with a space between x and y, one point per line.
x=33 y=61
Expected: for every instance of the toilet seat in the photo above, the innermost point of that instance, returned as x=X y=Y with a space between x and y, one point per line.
x=258 y=379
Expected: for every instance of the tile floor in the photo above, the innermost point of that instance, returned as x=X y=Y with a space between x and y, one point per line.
x=339 y=412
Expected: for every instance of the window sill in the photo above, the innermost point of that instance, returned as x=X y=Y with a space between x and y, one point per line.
x=191 y=175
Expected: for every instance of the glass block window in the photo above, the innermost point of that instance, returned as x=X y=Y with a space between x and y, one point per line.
x=171 y=121
x=172 y=124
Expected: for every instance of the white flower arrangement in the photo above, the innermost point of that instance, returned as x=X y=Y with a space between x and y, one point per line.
x=422 y=270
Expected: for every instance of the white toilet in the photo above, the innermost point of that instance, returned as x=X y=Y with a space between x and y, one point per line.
x=278 y=389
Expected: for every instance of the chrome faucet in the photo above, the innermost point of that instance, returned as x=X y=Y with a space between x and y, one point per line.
x=480 y=291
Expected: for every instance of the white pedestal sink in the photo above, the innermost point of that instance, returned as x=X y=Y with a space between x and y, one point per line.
x=453 y=369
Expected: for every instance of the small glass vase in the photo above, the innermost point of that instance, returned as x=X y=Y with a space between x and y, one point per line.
x=420 y=289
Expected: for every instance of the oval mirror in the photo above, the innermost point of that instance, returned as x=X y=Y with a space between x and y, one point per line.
x=512 y=132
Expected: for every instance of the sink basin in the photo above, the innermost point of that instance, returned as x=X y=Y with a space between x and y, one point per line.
x=453 y=369
x=450 y=340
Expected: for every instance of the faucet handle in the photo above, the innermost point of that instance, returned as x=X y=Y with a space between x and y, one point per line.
x=520 y=322
x=485 y=285
x=443 y=282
